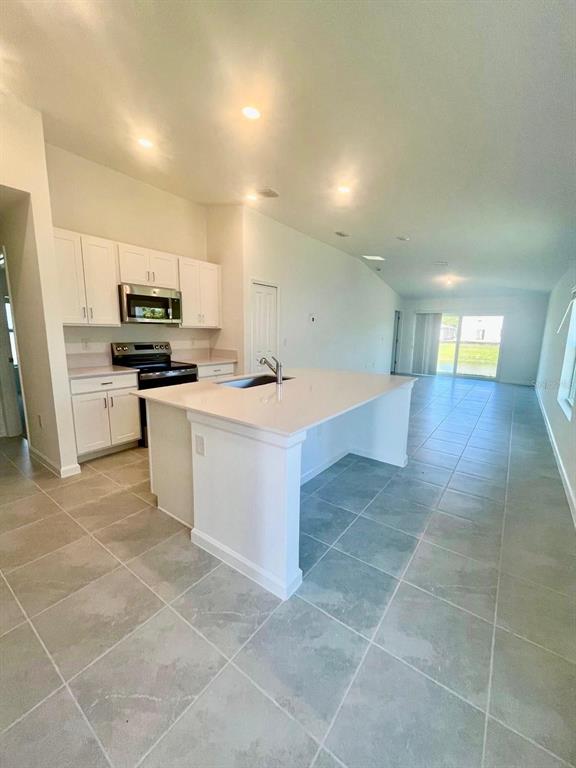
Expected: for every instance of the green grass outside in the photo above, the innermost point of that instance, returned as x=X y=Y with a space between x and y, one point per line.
x=474 y=358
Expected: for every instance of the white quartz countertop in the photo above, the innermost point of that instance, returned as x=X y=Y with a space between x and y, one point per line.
x=203 y=358
x=99 y=370
x=311 y=397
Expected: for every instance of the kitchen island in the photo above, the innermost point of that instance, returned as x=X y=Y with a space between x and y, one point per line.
x=228 y=461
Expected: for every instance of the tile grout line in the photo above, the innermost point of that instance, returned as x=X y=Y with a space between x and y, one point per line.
x=65 y=684
x=361 y=662
x=399 y=581
x=499 y=578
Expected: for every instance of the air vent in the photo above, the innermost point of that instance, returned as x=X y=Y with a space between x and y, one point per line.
x=267 y=192
x=342 y=234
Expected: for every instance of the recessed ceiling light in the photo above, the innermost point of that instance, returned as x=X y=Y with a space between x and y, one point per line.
x=344 y=190
x=402 y=238
x=146 y=143
x=252 y=196
x=374 y=258
x=342 y=234
x=251 y=113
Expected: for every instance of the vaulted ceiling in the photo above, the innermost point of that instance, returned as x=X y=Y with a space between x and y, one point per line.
x=452 y=122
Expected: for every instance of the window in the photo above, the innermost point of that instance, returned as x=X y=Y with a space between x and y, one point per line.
x=10 y=322
x=469 y=345
x=567 y=388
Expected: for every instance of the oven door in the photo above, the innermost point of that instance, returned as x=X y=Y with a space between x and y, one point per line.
x=143 y=304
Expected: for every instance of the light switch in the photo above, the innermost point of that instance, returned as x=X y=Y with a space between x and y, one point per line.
x=200 y=445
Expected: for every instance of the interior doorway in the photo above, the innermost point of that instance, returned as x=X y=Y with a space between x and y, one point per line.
x=11 y=403
x=469 y=345
x=263 y=324
x=396 y=341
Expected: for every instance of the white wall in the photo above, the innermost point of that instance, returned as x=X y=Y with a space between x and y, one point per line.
x=354 y=308
x=90 y=198
x=226 y=247
x=27 y=233
x=524 y=318
x=563 y=430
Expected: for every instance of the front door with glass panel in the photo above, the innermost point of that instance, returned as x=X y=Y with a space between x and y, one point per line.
x=470 y=345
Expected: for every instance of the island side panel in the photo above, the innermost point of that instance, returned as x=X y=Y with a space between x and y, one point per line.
x=170 y=453
x=377 y=430
x=247 y=500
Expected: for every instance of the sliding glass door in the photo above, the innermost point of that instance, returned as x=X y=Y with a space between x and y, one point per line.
x=469 y=345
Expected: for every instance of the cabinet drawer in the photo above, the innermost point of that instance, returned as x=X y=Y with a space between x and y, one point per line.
x=224 y=369
x=103 y=383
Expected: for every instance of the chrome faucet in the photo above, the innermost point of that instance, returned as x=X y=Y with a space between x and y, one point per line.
x=277 y=371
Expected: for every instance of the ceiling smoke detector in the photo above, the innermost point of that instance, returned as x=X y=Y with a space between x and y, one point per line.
x=267 y=192
x=342 y=234
x=402 y=238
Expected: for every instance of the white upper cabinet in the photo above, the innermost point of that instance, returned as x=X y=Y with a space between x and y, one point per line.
x=210 y=294
x=164 y=270
x=190 y=288
x=88 y=277
x=68 y=250
x=200 y=287
x=142 y=266
x=101 y=279
x=134 y=264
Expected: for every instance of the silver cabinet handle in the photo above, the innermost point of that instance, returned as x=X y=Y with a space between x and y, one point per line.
x=147 y=275
x=84 y=312
x=153 y=277
x=105 y=383
x=91 y=314
x=105 y=403
x=112 y=402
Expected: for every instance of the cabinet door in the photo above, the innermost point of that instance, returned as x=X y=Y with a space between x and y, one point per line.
x=134 y=264
x=210 y=294
x=68 y=250
x=124 y=411
x=101 y=278
x=91 y=421
x=190 y=288
x=164 y=270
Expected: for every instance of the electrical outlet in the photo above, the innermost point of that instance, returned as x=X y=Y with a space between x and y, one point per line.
x=313 y=318
x=200 y=445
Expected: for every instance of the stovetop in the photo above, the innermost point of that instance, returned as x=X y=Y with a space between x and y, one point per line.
x=149 y=358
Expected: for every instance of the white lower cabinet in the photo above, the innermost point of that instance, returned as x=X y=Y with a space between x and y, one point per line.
x=91 y=422
x=124 y=413
x=105 y=418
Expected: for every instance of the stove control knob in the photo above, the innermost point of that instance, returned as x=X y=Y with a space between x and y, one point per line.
x=125 y=349
x=156 y=346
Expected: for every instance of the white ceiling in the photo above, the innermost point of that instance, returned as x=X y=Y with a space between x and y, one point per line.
x=453 y=122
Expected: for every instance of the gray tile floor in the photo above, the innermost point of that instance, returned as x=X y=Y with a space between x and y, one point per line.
x=436 y=625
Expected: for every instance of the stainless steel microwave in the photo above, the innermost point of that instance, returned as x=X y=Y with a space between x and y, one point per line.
x=143 y=304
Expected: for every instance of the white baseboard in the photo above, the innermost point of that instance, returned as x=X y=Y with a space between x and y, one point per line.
x=174 y=517
x=264 y=578
x=66 y=471
x=570 y=492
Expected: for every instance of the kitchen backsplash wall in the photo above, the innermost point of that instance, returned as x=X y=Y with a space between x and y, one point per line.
x=91 y=346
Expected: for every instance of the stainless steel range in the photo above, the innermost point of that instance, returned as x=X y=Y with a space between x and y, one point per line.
x=153 y=360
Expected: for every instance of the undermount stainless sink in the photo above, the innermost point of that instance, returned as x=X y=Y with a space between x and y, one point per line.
x=252 y=381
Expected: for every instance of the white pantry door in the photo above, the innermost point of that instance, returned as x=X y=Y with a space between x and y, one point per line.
x=264 y=331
